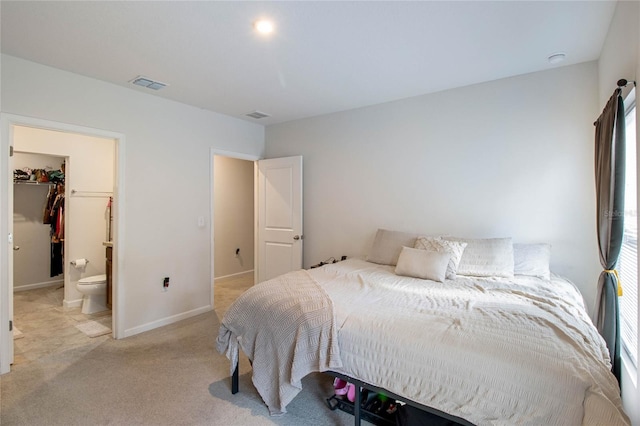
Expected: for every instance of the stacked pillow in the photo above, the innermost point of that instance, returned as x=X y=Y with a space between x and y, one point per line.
x=532 y=260
x=490 y=257
x=440 y=258
x=425 y=264
x=387 y=245
x=454 y=248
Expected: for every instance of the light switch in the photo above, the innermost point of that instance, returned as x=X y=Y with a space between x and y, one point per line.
x=200 y=221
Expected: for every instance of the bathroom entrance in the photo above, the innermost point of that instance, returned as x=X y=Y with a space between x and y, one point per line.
x=49 y=261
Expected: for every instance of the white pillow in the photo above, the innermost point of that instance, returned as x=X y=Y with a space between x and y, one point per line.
x=532 y=260
x=438 y=244
x=387 y=245
x=425 y=264
x=488 y=257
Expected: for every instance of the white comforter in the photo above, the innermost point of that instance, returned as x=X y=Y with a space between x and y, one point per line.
x=520 y=351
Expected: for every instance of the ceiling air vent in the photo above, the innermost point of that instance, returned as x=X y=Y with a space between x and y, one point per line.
x=148 y=83
x=257 y=115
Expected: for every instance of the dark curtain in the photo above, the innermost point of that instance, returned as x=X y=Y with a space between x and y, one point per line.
x=610 y=171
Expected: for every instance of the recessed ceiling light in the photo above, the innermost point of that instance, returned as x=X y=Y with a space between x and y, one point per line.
x=263 y=26
x=556 y=58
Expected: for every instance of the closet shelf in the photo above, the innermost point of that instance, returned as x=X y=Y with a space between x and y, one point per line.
x=32 y=182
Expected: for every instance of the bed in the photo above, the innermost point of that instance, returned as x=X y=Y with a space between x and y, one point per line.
x=483 y=333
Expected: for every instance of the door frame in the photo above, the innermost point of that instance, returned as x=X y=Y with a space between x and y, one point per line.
x=7 y=121
x=240 y=156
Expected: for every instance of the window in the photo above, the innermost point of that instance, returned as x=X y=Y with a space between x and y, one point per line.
x=628 y=261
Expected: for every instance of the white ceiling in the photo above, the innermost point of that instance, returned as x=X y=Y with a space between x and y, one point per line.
x=325 y=56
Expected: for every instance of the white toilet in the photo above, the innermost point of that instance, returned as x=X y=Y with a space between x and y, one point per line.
x=94 y=291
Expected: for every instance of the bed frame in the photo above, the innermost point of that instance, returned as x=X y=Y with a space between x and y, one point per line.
x=235 y=388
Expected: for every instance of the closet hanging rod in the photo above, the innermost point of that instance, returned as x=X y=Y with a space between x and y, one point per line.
x=92 y=193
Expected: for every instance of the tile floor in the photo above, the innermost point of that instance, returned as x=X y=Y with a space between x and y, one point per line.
x=49 y=329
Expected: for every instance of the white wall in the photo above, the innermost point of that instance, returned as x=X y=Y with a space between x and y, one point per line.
x=620 y=58
x=32 y=263
x=166 y=183
x=233 y=215
x=512 y=157
x=90 y=167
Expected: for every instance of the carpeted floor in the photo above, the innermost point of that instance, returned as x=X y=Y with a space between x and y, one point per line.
x=168 y=376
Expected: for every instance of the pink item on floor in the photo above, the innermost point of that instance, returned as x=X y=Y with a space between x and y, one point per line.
x=340 y=386
x=351 y=392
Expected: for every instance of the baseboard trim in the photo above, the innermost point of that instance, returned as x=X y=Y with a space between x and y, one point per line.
x=166 y=321
x=37 y=285
x=72 y=304
x=232 y=276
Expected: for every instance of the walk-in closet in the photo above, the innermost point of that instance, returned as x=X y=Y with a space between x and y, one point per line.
x=38 y=221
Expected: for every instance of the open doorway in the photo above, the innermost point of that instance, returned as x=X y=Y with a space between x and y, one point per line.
x=66 y=237
x=276 y=185
x=90 y=185
x=37 y=260
x=233 y=219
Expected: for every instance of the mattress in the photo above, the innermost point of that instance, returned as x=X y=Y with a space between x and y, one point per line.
x=492 y=351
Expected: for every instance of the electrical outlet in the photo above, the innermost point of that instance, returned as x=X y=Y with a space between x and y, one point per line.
x=165 y=284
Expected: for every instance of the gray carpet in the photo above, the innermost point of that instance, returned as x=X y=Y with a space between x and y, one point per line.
x=167 y=376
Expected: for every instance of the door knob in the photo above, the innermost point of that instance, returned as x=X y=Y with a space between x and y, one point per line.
x=298 y=237
x=16 y=248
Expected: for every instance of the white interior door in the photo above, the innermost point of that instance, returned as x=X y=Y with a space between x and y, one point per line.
x=6 y=299
x=279 y=216
x=12 y=247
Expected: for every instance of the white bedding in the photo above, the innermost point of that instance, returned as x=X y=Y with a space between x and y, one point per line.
x=492 y=351
x=289 y=319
